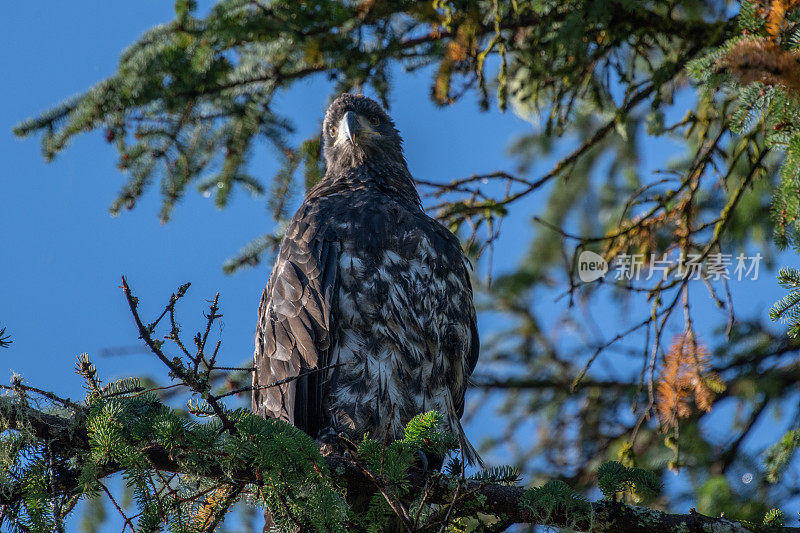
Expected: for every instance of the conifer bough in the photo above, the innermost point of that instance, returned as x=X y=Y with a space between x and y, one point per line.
x=511 y=503
x=187 y=474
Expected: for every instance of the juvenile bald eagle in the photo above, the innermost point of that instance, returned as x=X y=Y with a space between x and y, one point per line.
x=369 y=304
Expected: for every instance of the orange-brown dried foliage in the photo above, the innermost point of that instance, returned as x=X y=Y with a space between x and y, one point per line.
x=684 y=378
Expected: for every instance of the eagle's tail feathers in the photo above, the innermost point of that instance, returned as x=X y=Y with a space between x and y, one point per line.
x=467 y=449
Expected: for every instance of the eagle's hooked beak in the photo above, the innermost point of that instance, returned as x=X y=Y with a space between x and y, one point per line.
x=349 y=126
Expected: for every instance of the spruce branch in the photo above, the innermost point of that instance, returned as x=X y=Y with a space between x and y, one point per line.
x=516 y=504
x=125 y=429
x=787 y=310
x=191 y=97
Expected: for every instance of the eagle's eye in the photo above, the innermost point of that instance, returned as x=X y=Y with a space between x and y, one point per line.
x=332 y=131
x=375 y=120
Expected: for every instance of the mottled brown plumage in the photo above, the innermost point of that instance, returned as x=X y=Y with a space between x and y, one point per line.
x=369 y=305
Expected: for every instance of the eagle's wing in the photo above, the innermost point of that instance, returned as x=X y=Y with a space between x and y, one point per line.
x=294 y=336
x=471 y=359
x=459 y=265
x=458 y=389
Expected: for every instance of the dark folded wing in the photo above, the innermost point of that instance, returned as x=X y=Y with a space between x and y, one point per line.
x=471 y=357
x=294 y=337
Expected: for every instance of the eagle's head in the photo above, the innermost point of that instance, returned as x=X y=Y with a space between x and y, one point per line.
x=357 y=130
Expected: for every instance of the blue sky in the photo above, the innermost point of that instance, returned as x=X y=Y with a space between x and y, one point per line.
x=62 y=255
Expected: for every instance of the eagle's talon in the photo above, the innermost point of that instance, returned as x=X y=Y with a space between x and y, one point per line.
x=329 y=443
x=326 y=449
